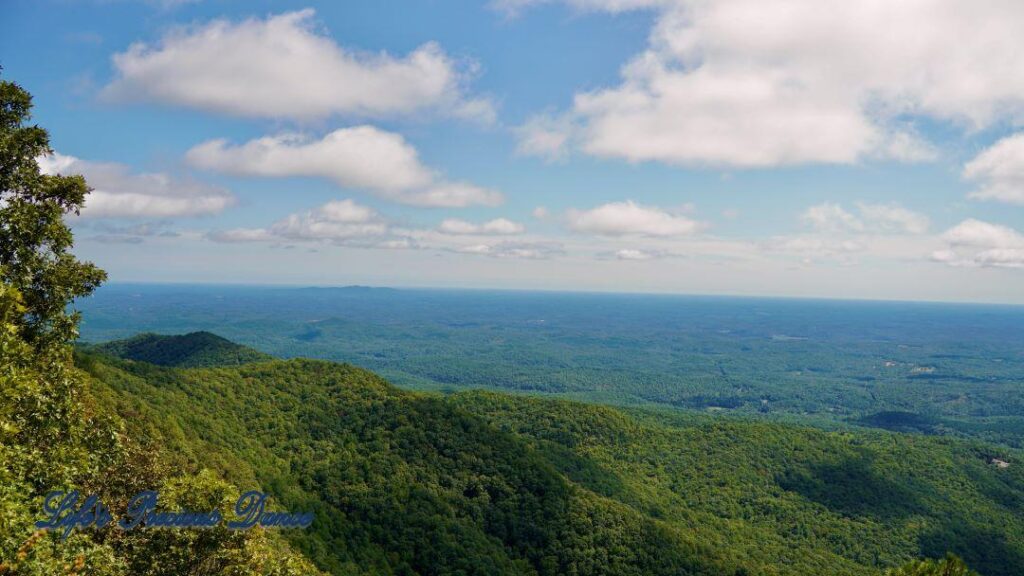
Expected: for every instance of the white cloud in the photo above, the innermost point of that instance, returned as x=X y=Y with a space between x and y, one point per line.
x=349 y=224
x=242 y=235
x=906 y=147
x=451 y=195
x=540 y=213
x=874 y=218
x=544 y=136
x=633 y=254
x=630 y=218
x=749 y=83
x=346 y=211
x=282 y=67
x=892 y=217
x=977 y=234
x=999 y=171
x=519 y=250
x=120 y=193
x=339 y=221
x=814 y=246
x=475 y=249
x=315 y=226
x=831 y=218
x=498 y=226
x=977 y=243
x=361 y=157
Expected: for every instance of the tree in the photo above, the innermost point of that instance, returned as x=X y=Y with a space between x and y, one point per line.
x=949 y=566
x=53 y=432
x=35 y=242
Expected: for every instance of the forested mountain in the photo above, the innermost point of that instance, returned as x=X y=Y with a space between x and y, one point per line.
x=484 y=483
x=187 y=350
x=401 y=482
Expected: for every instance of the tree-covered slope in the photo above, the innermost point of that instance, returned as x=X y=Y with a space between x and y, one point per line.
x=787 y=498
x=485 y=483
x=402 y=483
x=195 y=349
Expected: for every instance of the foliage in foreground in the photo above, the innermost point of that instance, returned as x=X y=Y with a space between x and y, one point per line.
x=949 y=566
x=53 y=433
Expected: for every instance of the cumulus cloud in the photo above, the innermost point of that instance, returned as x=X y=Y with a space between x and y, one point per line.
x=831 y=218
x=336 y=221
x=630 y=218
x=120 y=193
x=315 y=226
x=982 y=244
x=498 y=226
x=361 y=157
x=282 y=67
x=874 y=218
x=634 y=254
x=999 y=171
x=544 y=136
x=347 y=223
x=241 y=235
x=523 y=250
x=977 y=234
x=339 y=221
x=892 y=217
x=748 y=83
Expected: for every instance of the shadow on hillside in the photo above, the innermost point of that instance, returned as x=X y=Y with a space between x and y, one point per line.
x=986 y=551
x=852 y=488
x=582 y=471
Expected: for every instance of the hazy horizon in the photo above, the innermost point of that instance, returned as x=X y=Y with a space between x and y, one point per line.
x=414 y=287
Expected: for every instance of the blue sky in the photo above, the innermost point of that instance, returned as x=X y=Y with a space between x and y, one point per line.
x=787 y=148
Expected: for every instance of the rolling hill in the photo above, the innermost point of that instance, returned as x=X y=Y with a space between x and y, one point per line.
x=192 y=350
x=490 y=483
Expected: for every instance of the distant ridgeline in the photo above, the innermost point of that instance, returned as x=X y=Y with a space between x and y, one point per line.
x=487 y=483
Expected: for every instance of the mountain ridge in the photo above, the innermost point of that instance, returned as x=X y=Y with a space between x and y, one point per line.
x=486 y=482
x=191 y=350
